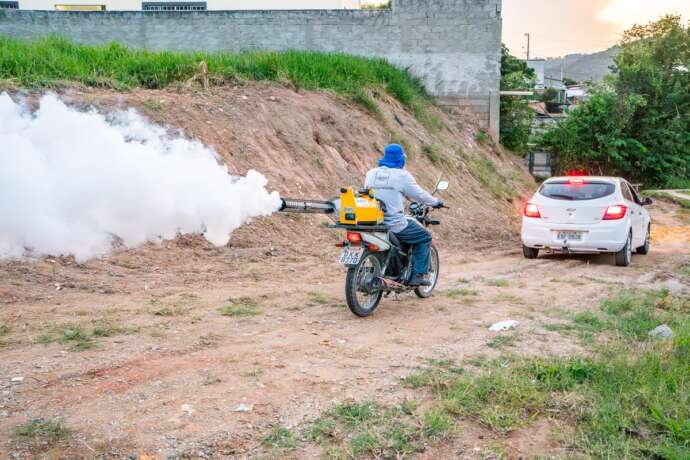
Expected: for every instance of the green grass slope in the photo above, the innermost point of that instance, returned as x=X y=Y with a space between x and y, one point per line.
x=53 y=60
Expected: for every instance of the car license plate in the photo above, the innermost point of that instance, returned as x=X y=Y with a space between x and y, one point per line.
x=570 y=236
x=351 y=256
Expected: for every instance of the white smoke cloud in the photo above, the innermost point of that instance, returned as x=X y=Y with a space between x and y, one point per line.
x=71 y=181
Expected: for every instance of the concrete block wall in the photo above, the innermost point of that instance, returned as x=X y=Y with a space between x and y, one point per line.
x=453 y=46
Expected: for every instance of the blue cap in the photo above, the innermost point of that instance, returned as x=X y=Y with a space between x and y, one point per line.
x=393 y=157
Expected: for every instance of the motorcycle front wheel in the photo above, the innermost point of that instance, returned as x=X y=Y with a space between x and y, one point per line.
x=434 y=268
x=361 y=299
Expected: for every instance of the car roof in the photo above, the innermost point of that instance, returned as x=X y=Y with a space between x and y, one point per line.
x=586 y=178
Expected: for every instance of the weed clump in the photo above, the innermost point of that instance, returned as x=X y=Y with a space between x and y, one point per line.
x=352 y=430
x=281 y=438
x=47 y=430
x=433 y=153
x=241 y=307
x=78 y=337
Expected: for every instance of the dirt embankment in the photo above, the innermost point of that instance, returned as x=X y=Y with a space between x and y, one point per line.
x=310 y=144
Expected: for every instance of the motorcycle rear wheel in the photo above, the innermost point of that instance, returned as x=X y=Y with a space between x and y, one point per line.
x=434 y=270
x=361 y=303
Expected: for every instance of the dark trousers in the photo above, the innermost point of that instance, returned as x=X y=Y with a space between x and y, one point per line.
x=420 y=240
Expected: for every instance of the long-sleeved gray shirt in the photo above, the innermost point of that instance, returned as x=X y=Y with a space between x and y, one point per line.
x=390 y=186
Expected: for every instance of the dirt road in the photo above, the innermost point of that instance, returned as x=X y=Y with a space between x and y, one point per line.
x=186 y=349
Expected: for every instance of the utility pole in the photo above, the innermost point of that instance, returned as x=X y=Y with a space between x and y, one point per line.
x=528 y=38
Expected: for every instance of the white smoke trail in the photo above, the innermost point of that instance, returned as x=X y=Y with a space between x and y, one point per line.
x=71 y=181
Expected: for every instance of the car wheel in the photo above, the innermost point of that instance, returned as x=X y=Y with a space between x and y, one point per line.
x=624 y=256
x=644 y=250
x=530 y=253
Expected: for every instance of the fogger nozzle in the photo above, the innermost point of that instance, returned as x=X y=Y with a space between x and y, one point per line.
x=307 y=206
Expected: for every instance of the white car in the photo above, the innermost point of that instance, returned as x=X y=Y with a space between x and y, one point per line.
x=586 y=215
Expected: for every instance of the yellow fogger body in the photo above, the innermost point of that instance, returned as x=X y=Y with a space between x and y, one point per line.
x=359 y=208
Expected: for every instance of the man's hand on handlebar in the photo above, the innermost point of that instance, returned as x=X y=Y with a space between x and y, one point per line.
x=439 y=205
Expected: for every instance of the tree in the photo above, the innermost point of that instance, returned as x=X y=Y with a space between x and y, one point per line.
x=516 y=115
x=638 y=125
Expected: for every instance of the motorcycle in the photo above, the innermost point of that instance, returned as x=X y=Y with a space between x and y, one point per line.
x=378 y=264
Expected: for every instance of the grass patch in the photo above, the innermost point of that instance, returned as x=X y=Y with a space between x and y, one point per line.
x=43 y=430
x=317 y=298
x=502 y=341
x=461 y=293
x=629 y=398
x=484 y=170
x=436 y=423
x=502 y=283
x=483 y=138
x=79 y=337
x=280 y=438
x=510 y=298
x=682 y=202
x=4 y=331
x=154 y=105
x=241 y=307
x=434 y=153
x=158 y=308
x=633 y=313
x=48 y=61
x=368 y=429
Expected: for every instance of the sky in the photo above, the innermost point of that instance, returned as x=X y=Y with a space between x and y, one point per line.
x=559 y=27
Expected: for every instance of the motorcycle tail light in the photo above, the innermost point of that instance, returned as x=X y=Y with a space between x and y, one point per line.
x=354 y=237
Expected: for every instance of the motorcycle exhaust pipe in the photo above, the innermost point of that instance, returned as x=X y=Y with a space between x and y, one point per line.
x=387 y=285
x=306 y=206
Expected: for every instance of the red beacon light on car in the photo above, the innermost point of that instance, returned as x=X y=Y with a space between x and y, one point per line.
x=531 y=210
x=577 y=173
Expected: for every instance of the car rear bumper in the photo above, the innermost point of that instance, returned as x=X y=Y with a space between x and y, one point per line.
x=605 y=236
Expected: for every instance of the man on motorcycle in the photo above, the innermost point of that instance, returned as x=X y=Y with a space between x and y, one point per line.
x=391 y=183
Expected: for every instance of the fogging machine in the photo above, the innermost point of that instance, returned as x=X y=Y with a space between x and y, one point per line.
x=358 y=208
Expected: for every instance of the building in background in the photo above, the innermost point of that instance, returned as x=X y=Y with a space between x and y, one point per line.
x=178 y=5
x=539 y=67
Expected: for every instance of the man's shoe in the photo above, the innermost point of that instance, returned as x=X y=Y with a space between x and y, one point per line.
x=419 y=280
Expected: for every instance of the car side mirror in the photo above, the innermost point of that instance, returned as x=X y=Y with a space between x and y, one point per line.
x=442 y=185
x=647 y=202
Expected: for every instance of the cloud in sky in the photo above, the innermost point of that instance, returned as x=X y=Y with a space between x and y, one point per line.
x=561 y=27
x=625 y=13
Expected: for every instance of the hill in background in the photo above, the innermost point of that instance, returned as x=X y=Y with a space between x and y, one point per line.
x=582 y=67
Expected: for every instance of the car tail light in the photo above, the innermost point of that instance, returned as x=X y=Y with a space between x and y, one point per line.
x=615 y=212
x=354 y=237
x=531 y=210
x=576 y=181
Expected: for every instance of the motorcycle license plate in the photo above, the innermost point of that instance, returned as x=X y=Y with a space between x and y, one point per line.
x=351 y=256
x=570 y=236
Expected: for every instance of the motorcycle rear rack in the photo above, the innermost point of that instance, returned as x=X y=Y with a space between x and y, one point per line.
x=361 y=228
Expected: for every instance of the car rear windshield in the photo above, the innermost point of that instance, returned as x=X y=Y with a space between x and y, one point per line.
x=577 y=191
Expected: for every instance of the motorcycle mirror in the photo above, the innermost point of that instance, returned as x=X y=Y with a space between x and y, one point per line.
x=442 y=185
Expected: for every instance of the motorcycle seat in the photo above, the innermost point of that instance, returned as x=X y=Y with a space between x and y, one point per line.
x=396 y=242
